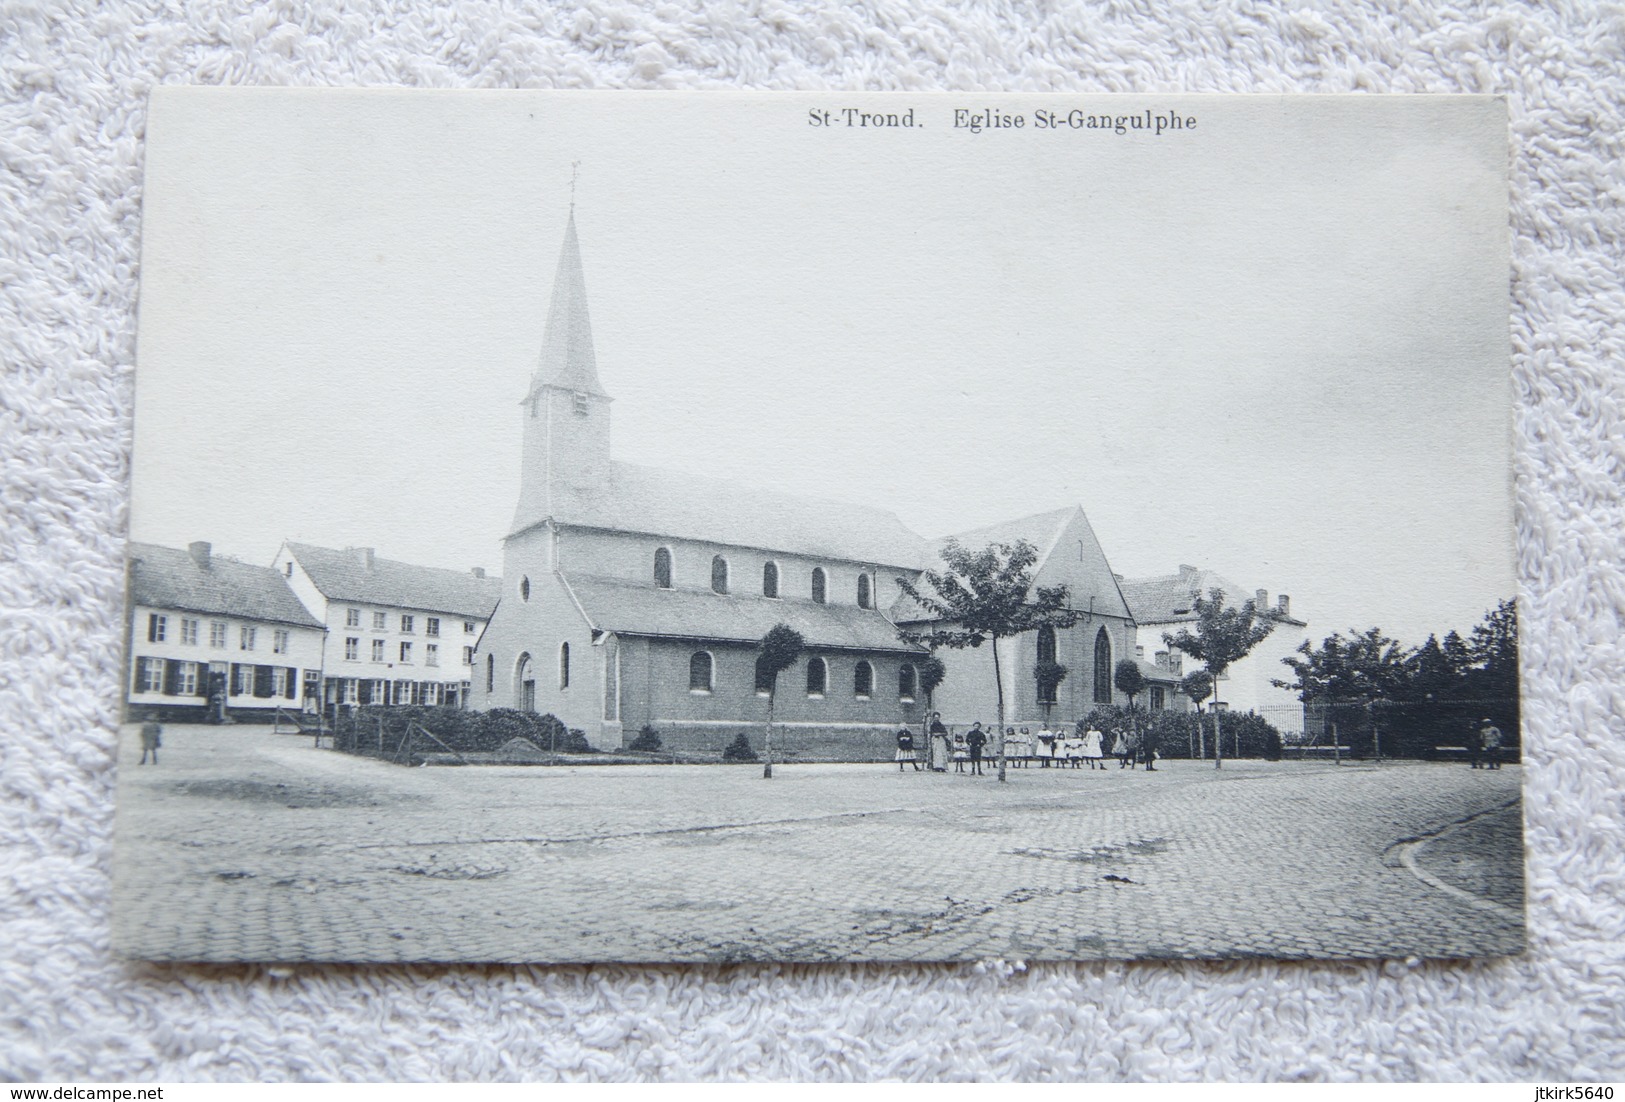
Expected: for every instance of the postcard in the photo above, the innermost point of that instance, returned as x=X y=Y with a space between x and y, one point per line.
x=577 y=526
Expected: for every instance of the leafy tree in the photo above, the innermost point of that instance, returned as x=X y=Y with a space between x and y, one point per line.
x=1131 y=683
x=930 y=671
x=781 y=646
x=1198 y=685
x=1049 y=674
x=1223 y=637
x=1492 y=651
x=984 y=596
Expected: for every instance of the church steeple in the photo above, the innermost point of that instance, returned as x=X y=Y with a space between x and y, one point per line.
x=568 y=360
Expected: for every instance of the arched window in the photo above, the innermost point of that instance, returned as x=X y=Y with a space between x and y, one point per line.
x=770 y=579
x=1046 y=644
x=719 y=574
x=863 y=680
x=866 y=595
x=524 y=588
x=817 y=676
x=764 y=678
x=1103 y=668
x=663 y=568
x=490 y=672
x=525 y=680
x=564 y=665
x=905 y=682
x=819 y=584
x=699 y=672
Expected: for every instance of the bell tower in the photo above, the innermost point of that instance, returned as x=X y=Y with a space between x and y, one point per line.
x=565 y=411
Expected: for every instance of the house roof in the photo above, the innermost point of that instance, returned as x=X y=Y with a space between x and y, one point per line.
x=356 y=575
x=632 y=608
x=632 y=498
x=1170 y=598
x=568 y=359
x=1153 y=672
x=166 y=577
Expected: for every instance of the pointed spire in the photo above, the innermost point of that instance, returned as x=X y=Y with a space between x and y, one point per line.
x=568 y=360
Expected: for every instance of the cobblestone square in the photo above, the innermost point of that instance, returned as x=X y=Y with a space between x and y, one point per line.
x=247 y=845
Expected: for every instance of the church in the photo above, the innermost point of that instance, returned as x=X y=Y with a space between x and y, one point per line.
x=636 y=597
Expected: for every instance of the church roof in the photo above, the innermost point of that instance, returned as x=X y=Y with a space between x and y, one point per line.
x=165 y=577
x=632 y=608
x=355 y=574
x=632 y=498
x=568 y=360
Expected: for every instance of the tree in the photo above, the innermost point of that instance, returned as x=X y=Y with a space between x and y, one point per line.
x=1049 y=674
x=1223 y=637
x=1361 y=668
x=1131 y=683
x=1197 y=685
x=986 y=596
x=781 y=646
x=929 y=671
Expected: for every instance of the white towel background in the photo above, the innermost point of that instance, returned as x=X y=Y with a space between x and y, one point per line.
x=75 y=77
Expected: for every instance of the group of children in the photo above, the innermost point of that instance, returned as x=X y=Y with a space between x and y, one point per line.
x=965 y=751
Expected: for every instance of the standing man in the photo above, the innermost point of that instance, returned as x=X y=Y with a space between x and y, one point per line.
x=1475 y=748
x=152 y=737
x=905 y=750
x=975 y=740
x=1489 y=739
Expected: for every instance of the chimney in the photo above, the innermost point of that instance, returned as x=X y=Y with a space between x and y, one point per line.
x=200 y=551
x=1263 y=600
x=1162 y=659
x=478 y=571
x=1139 y=652
x=363 y=556
x=1283 y=605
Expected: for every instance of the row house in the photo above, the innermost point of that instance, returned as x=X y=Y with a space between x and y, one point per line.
x=397 y=633
x=212 y=638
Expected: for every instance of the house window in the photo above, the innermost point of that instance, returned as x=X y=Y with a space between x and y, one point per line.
x=242 y=679
x=352 y=649
x=468 y=627
x=279 y=642
x=352 y=617
x=905 y=683
x=279 y=681
x=149 y=675
x=820 y=584
x=408 y=624
x=378 y=650
x=189 y=632
x=663 y=568
x=764 y=678
x=186 y=679
x=157 y=627
x=699 y=672
x=817 y=676
x=406 y=652
x=770 y=579
x=246 y=637
x=719 y=574
x=564 y=665
x=468 y=656
x=490 y=672
x=863 y=681
x=431 y=654
x=217 y=634
x=1158 y=700
x=866 y=594
x=380 y=621
x=524 y=588
x=431 y=625
x=1103 y=668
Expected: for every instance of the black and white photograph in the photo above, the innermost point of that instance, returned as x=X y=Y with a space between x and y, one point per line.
x=820 y=527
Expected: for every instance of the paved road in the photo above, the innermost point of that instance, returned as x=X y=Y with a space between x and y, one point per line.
x=247 y=845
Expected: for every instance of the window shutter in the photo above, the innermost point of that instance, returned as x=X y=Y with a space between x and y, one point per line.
x=172 y=672
x=140 y=673
x=201 y=686
x=293 y=683
x=262 y=681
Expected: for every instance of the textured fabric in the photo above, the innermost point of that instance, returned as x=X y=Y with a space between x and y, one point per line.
x=75 y=76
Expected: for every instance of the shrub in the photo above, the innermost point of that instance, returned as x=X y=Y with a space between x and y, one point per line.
x=739 y=749
x=647 y=742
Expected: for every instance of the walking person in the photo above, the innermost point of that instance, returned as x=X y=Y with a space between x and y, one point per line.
x=939 y=747
x=974 y=743
x=961 y=752
x=152 y=737
x=1489 y=740
x=905 y=750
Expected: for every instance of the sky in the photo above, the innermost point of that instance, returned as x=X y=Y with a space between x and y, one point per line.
x=1274 y=344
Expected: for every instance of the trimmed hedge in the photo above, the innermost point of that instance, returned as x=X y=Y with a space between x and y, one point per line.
x=1174 y=733
x=467 y=732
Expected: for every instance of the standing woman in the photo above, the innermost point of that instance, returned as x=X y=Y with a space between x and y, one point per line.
x=939 y=744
